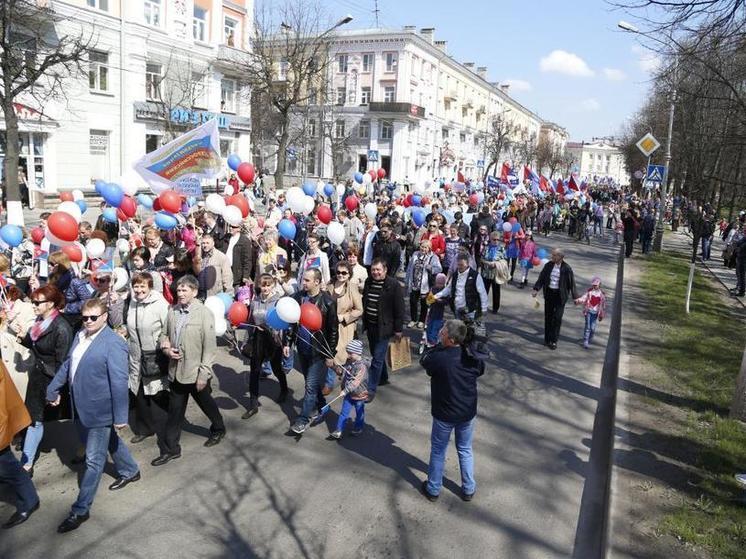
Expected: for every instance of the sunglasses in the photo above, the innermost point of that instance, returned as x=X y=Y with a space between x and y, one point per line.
x=37 y=303
x=343 y=273
x=91 y=317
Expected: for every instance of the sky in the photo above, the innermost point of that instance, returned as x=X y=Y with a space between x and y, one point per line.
x=566 y=60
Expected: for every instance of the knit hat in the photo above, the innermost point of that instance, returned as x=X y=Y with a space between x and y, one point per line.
x=596 y=280
x=440 y=280
x=355 y=347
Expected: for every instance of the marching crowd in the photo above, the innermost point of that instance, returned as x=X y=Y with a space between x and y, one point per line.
x=126 y=320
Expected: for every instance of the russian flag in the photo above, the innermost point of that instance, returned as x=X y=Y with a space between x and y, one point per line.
x=529 y=174
x=544 y=183
x=572 y=184
x=504 y=172
x=560 y=187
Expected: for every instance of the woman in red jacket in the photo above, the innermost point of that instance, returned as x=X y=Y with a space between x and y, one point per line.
x=436 y=238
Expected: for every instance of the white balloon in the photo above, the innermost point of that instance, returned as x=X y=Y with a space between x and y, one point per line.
x=49 y=236
x=340 y=189
x=82 y=251
x=78 y=194
x=72 y=209
x=294 y=193
x=95 y=248
x=216 y=305
x=228 y=190
x=288 y=310
x=120 y=278
x=308 y=205
x=296 y=200
x=215 y=203
x=320 y=189
x=44 y=245
x=335 y=232
x=232 y=215
x=221 y=326
x=123 y=245
x=366 y=178
x=129 y=188
x=371 y=210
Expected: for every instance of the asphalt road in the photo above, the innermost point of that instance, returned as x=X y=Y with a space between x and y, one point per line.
x=262 y=493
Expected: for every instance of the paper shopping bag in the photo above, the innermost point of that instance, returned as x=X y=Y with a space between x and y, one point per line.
x=398 y=355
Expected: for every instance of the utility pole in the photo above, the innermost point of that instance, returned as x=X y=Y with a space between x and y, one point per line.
x=659 y=226
x=376 y=11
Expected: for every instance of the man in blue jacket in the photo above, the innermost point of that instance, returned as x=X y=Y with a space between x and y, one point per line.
x=453 y=386
x=97 y=371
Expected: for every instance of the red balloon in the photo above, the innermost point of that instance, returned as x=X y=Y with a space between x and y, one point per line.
x=501 y=196
x=536 y=261
x=128 y=207
x=513 y=220
x=157 y=205
x=121 y=216
x=407 y=202
x=324 y=213
x=66 y=197
x=352 y=203
x=63 y=226
x=73 y=253
x=373 y=174
x=473 y=199
x=246 y=173
x=424 y=201
x=238 y=313
x=310 y=316
x=240 y=201
x=447 y=187
x=37 y=235
x=381 y=173
x=170 y=201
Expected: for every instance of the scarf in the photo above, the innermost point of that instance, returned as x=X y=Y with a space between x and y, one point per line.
x=40 y=327
x=419 y=267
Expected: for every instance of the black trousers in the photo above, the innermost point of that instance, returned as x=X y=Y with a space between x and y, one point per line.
x=495 y=292
x=553 y=311
x=143 y=416
x=417 y=302
x=740 y=274
x=628 y=246
x=513 y=262
x=177 y=404
x=264 y=349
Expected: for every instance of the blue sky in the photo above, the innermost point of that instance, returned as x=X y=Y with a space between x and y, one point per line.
x=566 y=59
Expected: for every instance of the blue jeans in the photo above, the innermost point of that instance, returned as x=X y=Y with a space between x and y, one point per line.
x=314 y=370
x=378 y=371
x=439 y=439
x=14 y=475
x=98 y=441
x=433 y=327
x=288 y=362
x=331 y=378
x=34 y=434
x=347 y=405
x=706 y=244
x=590 y=326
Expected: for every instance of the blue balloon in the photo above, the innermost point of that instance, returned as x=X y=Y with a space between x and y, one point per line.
x=165 y=220
x=542 y=253
x=480 y=197
x=516 y=227
x=98 y=185
x=112 y=194
x=309 y=188
x=227 y=299
x=418 y=216
x=191 y=201
x=274 y=321
x=11 y=234
x=234 y=161
x=329 y=189
x=286 y=229
x=82 y=205
x=145 y=201
x=416 y=200
x=110 y=215
x=358 y=178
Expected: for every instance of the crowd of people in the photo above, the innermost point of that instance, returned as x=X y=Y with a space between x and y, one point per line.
x=111 y=334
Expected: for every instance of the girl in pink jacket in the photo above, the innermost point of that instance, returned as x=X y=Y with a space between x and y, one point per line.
x=594 y=309
x=527 y=255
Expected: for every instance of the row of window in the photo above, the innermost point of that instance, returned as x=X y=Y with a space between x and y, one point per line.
x=389 y=95
x=390 y=58
x=386 y=130
x=153 y=16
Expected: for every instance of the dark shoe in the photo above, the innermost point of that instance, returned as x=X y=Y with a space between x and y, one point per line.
x=317 y=419
x=140 y=438
x=299 y=426
x=78 y=460
x=72 y=522
x=430 y=497
x=30 y=472
x=494 y=311
x=384 y=382
x=19 y=517
x=214 y=439
x=553 y=345
x=370 y=398
x=123 y=481
x=282 y=397
x=467 y=496
x=165 y=458
x=252 y=410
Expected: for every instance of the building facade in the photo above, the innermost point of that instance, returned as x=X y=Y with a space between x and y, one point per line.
x=156 y=68
x=396 y=100
x=599 y=159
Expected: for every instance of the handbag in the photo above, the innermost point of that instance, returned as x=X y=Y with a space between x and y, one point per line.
x=398 y=354
x=153 y=362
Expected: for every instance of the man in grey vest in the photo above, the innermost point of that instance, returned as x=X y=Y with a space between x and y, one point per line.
x=465 y=290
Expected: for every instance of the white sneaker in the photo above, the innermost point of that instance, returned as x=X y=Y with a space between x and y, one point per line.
x=420 y=325
x=411 y=324
x=741 y=478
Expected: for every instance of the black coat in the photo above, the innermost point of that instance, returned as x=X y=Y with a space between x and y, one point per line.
x=242 y=264
x=50 y=350
x=390 y=251
x=329 y=332
x=390 y=307
x=566 y=281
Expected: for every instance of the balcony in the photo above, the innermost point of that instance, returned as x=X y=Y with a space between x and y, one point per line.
x=397 y=108
x=451 y=95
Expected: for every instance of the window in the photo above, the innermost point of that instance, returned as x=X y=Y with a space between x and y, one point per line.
x=153 y=80
x=199 y=23
x=282 y=72
x=230 y=31
x=99 y=152
x=312 y=128
x=389 y=94
x=462 y=138
x=342 y=63
x=365 y=96
x=228 y=95
x=152 y=12
x=444 y=133
x=363 y=130
x=390 y=61
x=351 y=96
x=311 y=161
x=339 y=129
x=341 y=93
x=368 y=62
x=102 y=5
x=152 y=142
x=98 y=71
x=387 y=130
x=312 y=97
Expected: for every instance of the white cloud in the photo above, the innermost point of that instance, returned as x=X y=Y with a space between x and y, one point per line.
x=589 y=105
x=563 y=62
x=648 y=61
x=614 y=74
x=518 y=85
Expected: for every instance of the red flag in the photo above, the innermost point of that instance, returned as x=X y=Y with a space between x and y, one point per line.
x=572 y=184
x=560 y=187
x=526 y=173
x=504 y=173
x=543 y=183
x=460 y=176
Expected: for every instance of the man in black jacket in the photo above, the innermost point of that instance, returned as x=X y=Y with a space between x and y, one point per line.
x=383 y=317
x=386 y=246
x=558 y=283
x=315 y=349
x=240 y=251
x=453 y=388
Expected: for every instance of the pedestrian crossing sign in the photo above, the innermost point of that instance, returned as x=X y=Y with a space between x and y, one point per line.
x=655 y=174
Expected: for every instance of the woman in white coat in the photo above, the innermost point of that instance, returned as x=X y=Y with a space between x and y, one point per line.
x=15 y=320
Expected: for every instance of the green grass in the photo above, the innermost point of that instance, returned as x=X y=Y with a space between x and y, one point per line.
x=699 y=355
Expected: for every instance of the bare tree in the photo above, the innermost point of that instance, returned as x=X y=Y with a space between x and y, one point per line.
x=497 y=140
x=35 y=62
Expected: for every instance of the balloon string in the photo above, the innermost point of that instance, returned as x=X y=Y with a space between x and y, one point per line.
x=321 y=341
x=297 y=245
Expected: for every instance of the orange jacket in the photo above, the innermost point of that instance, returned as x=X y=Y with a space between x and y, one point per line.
x=13 y=413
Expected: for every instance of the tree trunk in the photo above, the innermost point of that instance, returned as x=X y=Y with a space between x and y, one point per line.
x=12 y=187
x=738 y=407
x=282 y=153
x=487 y=171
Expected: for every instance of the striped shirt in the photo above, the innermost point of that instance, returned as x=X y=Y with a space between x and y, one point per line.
x=374 y=294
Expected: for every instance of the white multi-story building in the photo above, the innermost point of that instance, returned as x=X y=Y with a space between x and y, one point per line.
x=598 y=159
x=406 y=106
x=117 y=112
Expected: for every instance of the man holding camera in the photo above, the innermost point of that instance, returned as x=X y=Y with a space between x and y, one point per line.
x=453 y=376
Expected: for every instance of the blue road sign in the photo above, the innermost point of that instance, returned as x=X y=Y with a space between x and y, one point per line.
x=655 y=173
x=372 y=156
